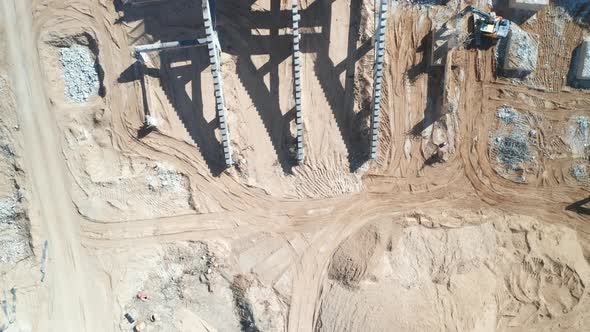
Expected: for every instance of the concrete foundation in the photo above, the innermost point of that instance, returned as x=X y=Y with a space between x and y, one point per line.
x=529 y=5
x=520 y=52
x=583 y=72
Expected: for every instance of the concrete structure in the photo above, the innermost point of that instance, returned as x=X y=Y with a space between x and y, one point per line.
x=159 y=46
x=140 y=73
x=297 y=80
x=529 y=5
x=583 y=64
x=214 y=52
x=379 y=40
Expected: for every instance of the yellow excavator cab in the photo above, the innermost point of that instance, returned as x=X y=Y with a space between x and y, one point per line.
x=488 y=24
x=487 y=28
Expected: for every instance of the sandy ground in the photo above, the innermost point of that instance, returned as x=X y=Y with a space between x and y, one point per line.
x=94 y=210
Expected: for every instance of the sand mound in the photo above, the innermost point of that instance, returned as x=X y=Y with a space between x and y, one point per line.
x=351 y=259
x=512 y=274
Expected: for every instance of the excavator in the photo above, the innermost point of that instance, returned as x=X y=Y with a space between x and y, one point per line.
x=489 y=25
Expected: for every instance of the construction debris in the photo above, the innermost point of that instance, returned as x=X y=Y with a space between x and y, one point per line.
x=519 y=53
x=512 y=147
x=529 y=5
x=577 y=136
x=164 y=177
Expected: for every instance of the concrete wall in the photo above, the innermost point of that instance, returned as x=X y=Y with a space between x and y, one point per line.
x=531 y=5
x=583 y=64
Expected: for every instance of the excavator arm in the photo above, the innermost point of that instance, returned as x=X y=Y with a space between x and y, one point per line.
x=487 y=17
x=488 y=23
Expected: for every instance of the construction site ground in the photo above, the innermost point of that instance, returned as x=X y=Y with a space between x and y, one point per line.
x=94 y=210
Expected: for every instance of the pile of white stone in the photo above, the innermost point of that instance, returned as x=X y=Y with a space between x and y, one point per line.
x=79 y=73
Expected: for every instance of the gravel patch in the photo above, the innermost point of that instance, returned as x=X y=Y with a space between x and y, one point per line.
x=165 y=177
x=79 y=73
x=512 y=145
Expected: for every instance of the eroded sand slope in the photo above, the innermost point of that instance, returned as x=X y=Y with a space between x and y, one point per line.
x=508 y=274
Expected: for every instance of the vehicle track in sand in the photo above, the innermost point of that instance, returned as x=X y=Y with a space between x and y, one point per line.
x=61 y=303
x=246 y=205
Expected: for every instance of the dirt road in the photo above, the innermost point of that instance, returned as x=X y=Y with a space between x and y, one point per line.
x=67 y=299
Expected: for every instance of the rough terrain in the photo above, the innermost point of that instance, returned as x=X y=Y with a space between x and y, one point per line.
x=105 y=225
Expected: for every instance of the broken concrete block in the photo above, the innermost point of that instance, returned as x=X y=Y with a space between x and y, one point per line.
x=583 y=72
x=529 y=5
x=520 y=53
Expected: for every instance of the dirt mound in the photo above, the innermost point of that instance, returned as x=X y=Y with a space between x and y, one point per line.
x=352 y=258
